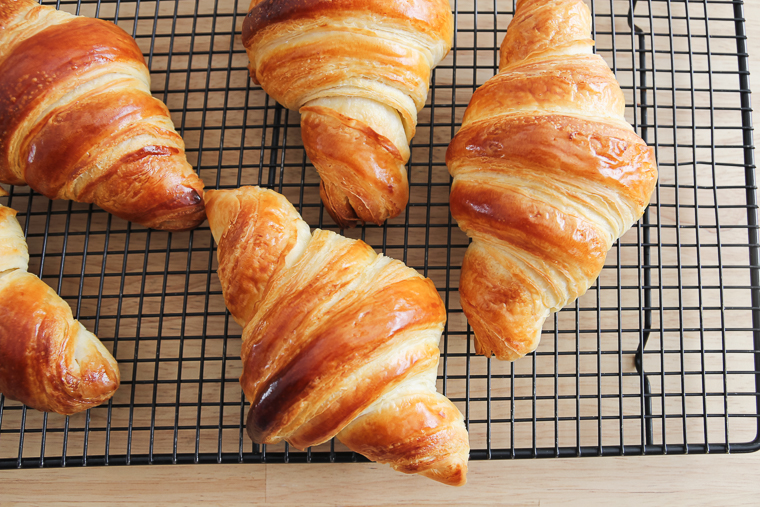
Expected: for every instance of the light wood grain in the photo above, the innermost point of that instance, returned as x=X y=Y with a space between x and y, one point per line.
x=677 y=480
x=682 y=480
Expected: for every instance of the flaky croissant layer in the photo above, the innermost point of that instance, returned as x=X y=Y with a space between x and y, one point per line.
x=78 y=122
x=48 y=360
x=358 y=71
x=337 y=340
x=548 y=174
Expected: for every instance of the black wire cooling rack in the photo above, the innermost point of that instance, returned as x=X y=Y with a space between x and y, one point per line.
x=660 y=356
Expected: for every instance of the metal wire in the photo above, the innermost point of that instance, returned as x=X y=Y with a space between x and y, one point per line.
x=660 y=356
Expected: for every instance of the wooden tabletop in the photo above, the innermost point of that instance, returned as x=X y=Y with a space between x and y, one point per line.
x=680 y=480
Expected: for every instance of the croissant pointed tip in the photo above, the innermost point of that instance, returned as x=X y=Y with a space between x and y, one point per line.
x=455 y=475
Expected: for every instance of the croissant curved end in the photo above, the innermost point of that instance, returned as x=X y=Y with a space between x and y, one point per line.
x=190 y=213
x=363 y=172
x=221 y=212
x=453 y=474
x=48 y=360
x=415 y=432
x=98 y=375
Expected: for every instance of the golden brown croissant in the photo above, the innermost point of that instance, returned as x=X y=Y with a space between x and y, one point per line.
x=77 y=120
x=359 y=73
x=48 y=360
x=547 y=176
x=337 y=340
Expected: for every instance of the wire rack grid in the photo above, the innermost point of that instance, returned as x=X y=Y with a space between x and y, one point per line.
x=660 y=356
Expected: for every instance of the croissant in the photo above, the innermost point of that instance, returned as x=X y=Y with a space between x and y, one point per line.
x=337 y=340
x=547 y=176
x=359 y=73
x=48 y=360
x=78 y=122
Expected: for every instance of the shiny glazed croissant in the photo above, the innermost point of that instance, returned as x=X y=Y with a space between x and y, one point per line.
x=337 y=340
x=359 y=72
x=48 y=360
x=547 y=176
x=77 y=120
